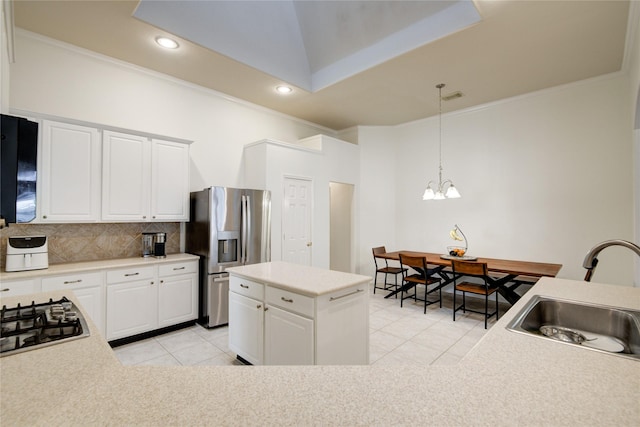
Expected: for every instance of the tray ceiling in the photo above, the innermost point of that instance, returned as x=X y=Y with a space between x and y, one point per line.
x=351 y=63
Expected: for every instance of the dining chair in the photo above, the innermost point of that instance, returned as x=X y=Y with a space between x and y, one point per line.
x=386 y=270
x=421 y=277
x=478 y=270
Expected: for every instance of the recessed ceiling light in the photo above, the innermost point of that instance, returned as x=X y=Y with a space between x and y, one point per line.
x=283 y=89
x=167 y=42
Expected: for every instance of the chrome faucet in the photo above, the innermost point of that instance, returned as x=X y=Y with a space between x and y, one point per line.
x=591 y=260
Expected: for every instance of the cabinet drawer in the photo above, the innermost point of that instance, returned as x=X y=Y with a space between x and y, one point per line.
x=11 y=288
x=130 y=274
x=246 y=287
x=186 y=267
x=290 y=301
x=71 y=281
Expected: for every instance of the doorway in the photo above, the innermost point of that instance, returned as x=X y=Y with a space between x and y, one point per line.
x=340 y=226
x=296 y=220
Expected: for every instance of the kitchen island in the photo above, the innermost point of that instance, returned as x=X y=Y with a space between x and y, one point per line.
x=507 y=379
x=289 y=314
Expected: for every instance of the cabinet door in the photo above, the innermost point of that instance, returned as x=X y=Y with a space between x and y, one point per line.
x=246 y=321
x=177 y=299
x=132 y=308
x=125 y=177
x=92 y=302
x=288 y=338
x=169 y=181
x=69 y=175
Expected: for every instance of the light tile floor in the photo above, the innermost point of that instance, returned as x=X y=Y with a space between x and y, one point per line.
x=398 y=336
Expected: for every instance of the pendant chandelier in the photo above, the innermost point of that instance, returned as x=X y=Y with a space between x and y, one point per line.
x=445 y=189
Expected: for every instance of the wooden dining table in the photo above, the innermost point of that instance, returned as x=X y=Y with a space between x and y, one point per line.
x=506 y=275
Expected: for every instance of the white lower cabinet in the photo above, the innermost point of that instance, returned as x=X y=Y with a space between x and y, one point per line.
x=123 y=302
x=272 y=326
x=288 y=338
x=177 y=293
x=142 y=299
x=342 y=335
x=88 y=289
x=132 y=308
x=246 y=337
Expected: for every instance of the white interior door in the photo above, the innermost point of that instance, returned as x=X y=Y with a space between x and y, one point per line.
x=296 y=220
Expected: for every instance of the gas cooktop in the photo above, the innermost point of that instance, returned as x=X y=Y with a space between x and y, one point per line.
x=34 y=326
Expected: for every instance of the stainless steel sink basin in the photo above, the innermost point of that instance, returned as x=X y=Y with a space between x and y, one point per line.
x=595 y=327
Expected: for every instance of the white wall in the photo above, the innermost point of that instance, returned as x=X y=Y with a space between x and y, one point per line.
x=633 y=65
x=543 y=177
x=379 y=166
x=52 y=78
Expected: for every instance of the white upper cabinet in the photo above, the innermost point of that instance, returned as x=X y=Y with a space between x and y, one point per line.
x=169 y=181
x=143 y=179
x=126 y=177
x=69 y=173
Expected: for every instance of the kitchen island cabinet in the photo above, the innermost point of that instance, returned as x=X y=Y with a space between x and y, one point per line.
x=288 y=314
x=507 y=379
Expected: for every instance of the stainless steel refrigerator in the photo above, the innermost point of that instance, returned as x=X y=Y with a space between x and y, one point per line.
x=228 y=227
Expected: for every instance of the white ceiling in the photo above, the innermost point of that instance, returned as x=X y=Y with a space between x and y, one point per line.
x=309 y=44
x=352 y=62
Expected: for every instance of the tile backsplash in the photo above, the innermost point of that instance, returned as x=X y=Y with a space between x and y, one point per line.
x=91 y=242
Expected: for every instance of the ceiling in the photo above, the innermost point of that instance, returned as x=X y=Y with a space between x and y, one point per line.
x=363 y=63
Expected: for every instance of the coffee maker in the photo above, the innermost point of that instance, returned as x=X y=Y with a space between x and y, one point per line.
x=154 y=244
x=159 y=245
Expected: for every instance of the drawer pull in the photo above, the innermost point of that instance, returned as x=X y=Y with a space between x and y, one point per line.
x=346 y=295
x=242 y=285
x=286 y=300
x=68 y=282
x=5 y=290
x=131 y=274
x=178 y=268
x=259 y=306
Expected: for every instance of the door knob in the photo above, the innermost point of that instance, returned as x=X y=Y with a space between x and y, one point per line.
x=309 y=244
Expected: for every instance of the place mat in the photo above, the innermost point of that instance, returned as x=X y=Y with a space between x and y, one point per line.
x=461 y=258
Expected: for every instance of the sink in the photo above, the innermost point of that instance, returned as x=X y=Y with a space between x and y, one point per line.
x=606 y=329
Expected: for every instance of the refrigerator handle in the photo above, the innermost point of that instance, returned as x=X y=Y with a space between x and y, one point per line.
x=243 y=231
x=247 y=228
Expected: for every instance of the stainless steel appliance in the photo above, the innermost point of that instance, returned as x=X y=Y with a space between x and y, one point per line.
x=228 y=227
x=159 y=245
x=27 y=253
x=38 y=325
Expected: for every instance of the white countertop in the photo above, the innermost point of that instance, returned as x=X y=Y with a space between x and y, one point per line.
x=507 y=379
x=297 y=278
x=74 y=267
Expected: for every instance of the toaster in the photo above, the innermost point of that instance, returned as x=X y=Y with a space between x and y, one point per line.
x=27 y=253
